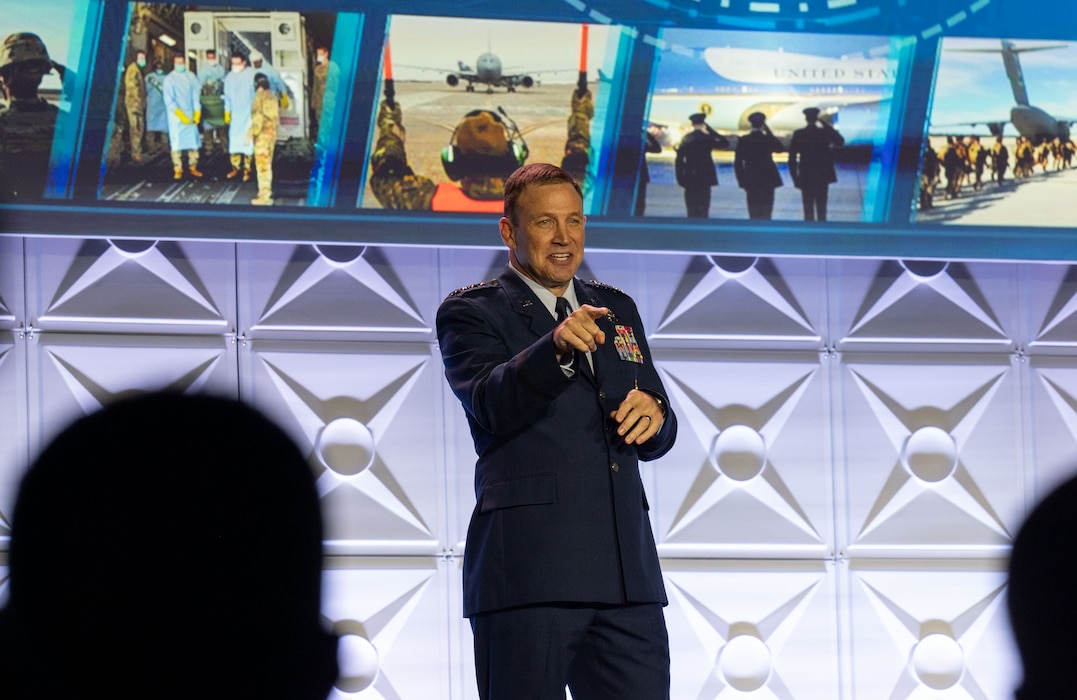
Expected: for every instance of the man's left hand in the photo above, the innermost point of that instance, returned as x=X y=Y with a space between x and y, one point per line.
x=639 y=417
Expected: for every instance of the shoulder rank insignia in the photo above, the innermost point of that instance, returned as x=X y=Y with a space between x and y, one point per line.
x=471 y=287
x=603 y=285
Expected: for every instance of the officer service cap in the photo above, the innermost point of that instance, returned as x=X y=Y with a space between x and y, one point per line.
x=697 y=118
x=811 y=111
x=757 y=118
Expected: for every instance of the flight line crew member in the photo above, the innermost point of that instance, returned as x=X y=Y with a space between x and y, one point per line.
x=811 y=163
x=181 y=92
x=694 y=165
x=754 y=167
x=134 y=100
x=480 y=139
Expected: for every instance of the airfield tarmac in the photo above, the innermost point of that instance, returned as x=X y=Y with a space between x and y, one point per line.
x=1045 y=199
x=665 y=198
x=432 y=110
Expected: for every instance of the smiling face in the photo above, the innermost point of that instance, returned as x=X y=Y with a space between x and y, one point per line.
x=545 y=237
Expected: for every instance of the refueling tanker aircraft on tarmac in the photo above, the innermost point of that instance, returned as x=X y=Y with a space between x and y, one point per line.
x=487 y=72
x=1031 y=122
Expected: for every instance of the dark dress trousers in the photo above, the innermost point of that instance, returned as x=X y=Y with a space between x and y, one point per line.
x=695 y=170
x=560 y=513
x=757 y=175
x=811 y=165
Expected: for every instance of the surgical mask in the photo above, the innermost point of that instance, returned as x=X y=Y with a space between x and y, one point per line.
x=160 y=71
x=181 y=68
x=237 y=69
x=211 y=61
x=141 y=62
x=321 y=58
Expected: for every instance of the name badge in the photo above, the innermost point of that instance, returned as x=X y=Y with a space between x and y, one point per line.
x=626 y=345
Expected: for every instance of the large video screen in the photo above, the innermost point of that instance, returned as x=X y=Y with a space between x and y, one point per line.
x=999 y=149
x=703 y=125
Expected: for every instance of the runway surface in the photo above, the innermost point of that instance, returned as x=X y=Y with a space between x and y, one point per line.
x=1046 y=199
x=666 y=198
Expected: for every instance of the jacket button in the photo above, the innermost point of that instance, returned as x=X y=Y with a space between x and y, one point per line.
x=602 y=395
x=615 y=467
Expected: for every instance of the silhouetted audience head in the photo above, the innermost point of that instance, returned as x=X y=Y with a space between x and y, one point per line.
x=1043 y=597
x=167 y=546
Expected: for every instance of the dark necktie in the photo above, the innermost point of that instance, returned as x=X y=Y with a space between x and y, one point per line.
x=562 y=309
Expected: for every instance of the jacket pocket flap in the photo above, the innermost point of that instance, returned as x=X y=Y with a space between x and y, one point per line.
x=524 y=491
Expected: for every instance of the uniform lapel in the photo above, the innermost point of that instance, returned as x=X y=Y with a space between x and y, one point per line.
x=585 y=296
x=524 y=302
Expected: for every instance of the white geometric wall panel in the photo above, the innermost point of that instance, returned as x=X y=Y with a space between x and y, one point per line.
x=78 y=373
x=1052 y=308
x=175 y=287
x=922 y=629
x=336 y=291
x=749 y=475
x=931 y=456
x=394 y=633
x=734 y=301
x=966 y=307
x=859 y=440
x=13 y=444
x=752 y=630
x=364 y=415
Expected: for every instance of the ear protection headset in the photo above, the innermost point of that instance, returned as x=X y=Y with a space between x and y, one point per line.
x=459 y=164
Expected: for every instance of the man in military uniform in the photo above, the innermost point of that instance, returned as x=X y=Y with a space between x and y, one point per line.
x=265 y=118
x=317 y=91
x=134 y=100
x=811 y=163
x=28 y=121
x=182 y=92
x=562 y=581
x=754 y=166
x=479 y=157
x=276 y=82
x=694 y=165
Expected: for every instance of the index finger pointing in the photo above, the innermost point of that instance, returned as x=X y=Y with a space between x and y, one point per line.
x=596 y=312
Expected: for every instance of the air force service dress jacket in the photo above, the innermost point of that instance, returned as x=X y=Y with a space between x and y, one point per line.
x=561 y=515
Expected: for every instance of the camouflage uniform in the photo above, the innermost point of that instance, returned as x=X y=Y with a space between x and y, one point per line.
x=578 y=146
x=26 y=125
x=134 y=99
x=317 y=92
x=392 y=180
x=265 y=118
